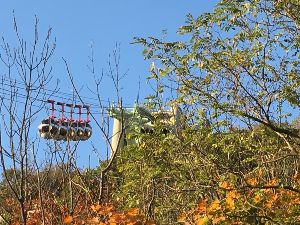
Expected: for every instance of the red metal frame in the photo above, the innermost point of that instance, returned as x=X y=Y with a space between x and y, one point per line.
x=62 y=110
x=71 y=111
x=87 y=113
x=79 y=112
x=52 y=108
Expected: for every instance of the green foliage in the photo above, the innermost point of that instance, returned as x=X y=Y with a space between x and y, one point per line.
x=238 y=79
x=241 y=60
x=168 y=175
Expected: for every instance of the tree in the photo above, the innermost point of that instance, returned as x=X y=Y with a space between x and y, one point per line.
x=29 y=62
x=241 y=60
x=35 y=190
x=237 y=76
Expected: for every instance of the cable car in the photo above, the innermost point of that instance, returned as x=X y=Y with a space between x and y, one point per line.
x=78 y=126
x=62 y=125
x=48 y=127
x=64 y=129
x=87 y=132
x=87 y=127
x=62 y=132
x=71 y=128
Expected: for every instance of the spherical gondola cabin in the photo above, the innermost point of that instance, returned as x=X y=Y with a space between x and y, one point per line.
x=62 y=125
x=87 y=131
x=62 y=131
x=71 y=127
x=44 y=129
x=78 y=127
x=86 y=126
x=48 y=127
x=79 y=130
x=71 y=131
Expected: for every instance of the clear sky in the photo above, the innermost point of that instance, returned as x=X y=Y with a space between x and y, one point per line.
x=76 y=24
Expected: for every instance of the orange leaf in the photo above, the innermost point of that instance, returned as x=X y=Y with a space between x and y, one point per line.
x=133 y=212
x=225 y=185
x=68 y=219
x=215 y=205
x=202 y=206
x=233 y=194
x=218 y=219
x=256 y=199
x=117 y=218
x=273 y=181
x=271 y=201
x=106 y=210
x=94 y=220
x=96 y=208
x=252 y=181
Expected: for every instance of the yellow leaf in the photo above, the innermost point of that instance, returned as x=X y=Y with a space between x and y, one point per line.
x=233 y=194
x=230 y=199
x=68 y=219
x=225 y=185
x=230 y=203
x=202 y=221
x=215 y=205
x=252 y=181
x=256 y=199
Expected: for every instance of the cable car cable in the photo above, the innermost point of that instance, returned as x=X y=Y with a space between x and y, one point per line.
x=58 y=96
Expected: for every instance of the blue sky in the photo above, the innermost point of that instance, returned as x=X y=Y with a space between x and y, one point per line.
x=76 y=24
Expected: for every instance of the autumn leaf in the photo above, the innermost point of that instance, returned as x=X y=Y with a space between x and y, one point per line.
x=271 y=201
x=218 y=219
x=68 y=219
x=95 y=208
x=256 y=199
x=133 y=212
x=182 y=218
x=215 y=205
x=202 y=221
x=230 y=203
x=252 y=181
x=94 y=220
x=202 y=206
x=230 y=199
x=225 y=185
x=106 y=210
x=117 y=218
x=272 y=182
